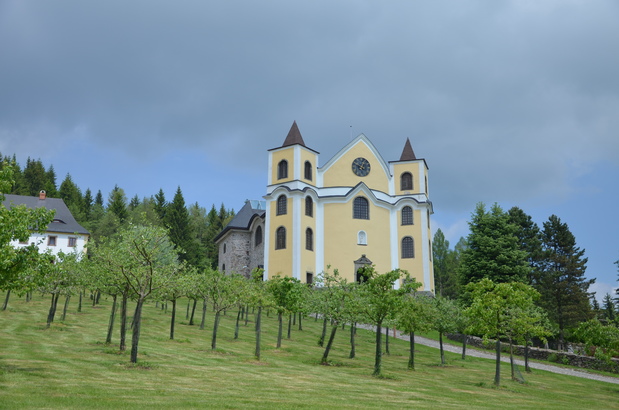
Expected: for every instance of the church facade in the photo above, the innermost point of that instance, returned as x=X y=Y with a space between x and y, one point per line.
x=354 y=210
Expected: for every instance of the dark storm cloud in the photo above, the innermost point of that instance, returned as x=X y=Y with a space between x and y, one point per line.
x=509 y=99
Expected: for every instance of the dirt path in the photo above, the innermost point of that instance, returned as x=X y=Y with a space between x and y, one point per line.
x=505 y=358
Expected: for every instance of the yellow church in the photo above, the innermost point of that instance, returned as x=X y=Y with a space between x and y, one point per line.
x=354 y=210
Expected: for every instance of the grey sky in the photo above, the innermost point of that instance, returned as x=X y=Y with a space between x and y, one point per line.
x=509 y=101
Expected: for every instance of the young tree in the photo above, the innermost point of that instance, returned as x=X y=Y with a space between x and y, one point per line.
x=223 y=291
x=493 y=251
x=380 y=301
x=285 y=293
x=445 y=313
x=562 y=283
x=414 y=314
x=503 y=310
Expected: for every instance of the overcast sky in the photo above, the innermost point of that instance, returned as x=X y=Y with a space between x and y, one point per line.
x=515 y=102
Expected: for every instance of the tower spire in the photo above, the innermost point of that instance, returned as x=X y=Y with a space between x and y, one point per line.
x=294 y=136
x=407 y=153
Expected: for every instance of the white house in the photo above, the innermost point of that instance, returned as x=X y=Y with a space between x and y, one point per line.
x=62 y=234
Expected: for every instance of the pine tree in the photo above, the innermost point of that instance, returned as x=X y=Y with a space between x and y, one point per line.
x=609 y=311
x=99 y=198
x=492 y=249
x=87 y=204
x=72 y=196
x=117 y=203
x=529 y=240
x=160 y=205
x=50 y=187
x=35 y=177
x=445 y=270
x=562 y=283
x=179 y=229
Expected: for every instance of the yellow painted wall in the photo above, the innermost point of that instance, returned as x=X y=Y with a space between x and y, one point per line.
x=280 y=260
x=414 y=266
x=413 y=168
x=340 y=173
x=341 y=248
x=278 y=155
x=310 y=156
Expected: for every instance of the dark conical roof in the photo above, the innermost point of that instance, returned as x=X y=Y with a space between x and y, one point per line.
x=294 y=136
x=408 y=154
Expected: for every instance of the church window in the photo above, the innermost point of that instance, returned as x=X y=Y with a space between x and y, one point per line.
x=308 y=170
x=361 y=208
x=309 y=206
x=408 y=248
x=407 y=215
x=309 y=239
x=258 y=236
x=282 y=169
x=362 y=238
x=282 y=205
x=406 y=182
x=280 y=236
x=224 y=248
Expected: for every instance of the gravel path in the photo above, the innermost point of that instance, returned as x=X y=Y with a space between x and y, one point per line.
x=505 y=358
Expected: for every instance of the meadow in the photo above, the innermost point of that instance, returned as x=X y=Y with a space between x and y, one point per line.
x=69 y=366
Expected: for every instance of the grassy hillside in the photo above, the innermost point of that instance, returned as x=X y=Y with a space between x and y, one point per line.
x=69 y=366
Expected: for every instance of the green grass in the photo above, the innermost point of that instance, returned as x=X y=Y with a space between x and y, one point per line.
x=69 y=366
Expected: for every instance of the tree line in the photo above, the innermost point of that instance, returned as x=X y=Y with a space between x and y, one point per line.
x=509 y=247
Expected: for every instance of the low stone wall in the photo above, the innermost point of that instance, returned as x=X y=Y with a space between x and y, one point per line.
x=572 y=359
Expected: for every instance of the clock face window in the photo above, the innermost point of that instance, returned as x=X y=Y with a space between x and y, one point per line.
x=361 y=167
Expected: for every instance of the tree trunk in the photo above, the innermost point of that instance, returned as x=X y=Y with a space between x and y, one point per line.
x=50 y=317
x=352 y=341
x=497 y=374
x=110 y=326
x=464 y=340
x=123 y=322
x=321 y=342
x=300 y=325
x=511 y=358
x=247 y=314
x=258 y=318
x=79 y=304
x=325 y=355
x=379 y=350
x=193 y=311
x=173 y=319
x=64 y=309
x=215 y=325
x=440 y=341
x=289 y=325
x=294 y=319
x=387 y=340
x=98 y=296
x=236 y=325
x=411 y=356
x=279 y=329
x=94 y=299
x=203 y=314
x=135 y=337
x=6 y=299
x=526 y=356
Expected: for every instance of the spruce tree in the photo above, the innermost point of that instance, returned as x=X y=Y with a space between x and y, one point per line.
x=562 y=283
x=179 y=229
x=72 y=196
x=445 y=273
x=492 y=249
x=160 y=205
x=35 y=177
x=117 y=203
x=529 y=241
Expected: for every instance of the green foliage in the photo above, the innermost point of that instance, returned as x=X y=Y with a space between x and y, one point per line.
x=445 y=262
x=597 y=336
x=493 y=251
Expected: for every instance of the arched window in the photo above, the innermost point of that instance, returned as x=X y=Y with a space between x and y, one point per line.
x=258 y=236
x=308 y=170
x=309 y=239
x=361 y=208
x=309 y=206
x=362 y=238
x=280 y=235
x=282 y=169
x=282 y=205
x=408 y=247
x=406 y=181
x=407 y=215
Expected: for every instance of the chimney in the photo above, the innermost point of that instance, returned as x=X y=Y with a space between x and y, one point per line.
x=42 y=194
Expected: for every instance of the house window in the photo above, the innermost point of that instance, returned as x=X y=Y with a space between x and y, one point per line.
x=309 y=239
x=223 y=267
x=51 y=240
x=24 y=242
x=406 y=182
x=282 y=169
x=407 y=215
x=361 y=208
x=224 y=248
x=308 y=170
x=309 y=278
x=408 y=249
x=258 y=236
x=280 y=236
x=282 y=205
x=309 y=206
x=362 y=238
x=72 y=242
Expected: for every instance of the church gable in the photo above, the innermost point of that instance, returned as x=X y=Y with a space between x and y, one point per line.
x=359 y=161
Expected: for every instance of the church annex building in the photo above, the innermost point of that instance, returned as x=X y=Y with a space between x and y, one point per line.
x=354 y=210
